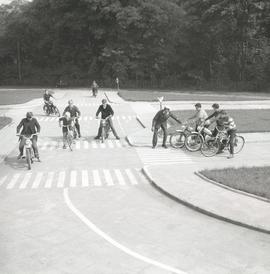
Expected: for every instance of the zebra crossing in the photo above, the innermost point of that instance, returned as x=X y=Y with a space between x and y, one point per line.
x=81 y=104
x=83 y=144
x=87 y=118
x=73 y=179
x=161 y=156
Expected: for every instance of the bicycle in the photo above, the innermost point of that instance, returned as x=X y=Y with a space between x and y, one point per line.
x=105 y=129
x=177 y=139
x=221 y=142
x=28 y=149
x=71 y=132
x=194 y=140
x=51 y=109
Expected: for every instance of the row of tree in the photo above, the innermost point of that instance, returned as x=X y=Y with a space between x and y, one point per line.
x=142 y=42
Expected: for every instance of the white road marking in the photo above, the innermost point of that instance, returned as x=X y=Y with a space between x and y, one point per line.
x=73 y=178
x=44 y=146
x=78 y=145
x=46 y=119
x=37 y=180
x=119 y=177
x=94 y=144
x=85 y=118
x=61 y=179
x=108 y=177
x=110 y=240
x=48 y=183
x=85 y=179
x=118 y=143
x=3 y=180
x=97 y=181
x=85 y=145
x=13 y=181
x=131 y=176
x=102 y=145
x=110 y=143
x=25 y=180
x=122 y=129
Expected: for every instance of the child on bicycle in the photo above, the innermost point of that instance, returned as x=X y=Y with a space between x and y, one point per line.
x=67 y=123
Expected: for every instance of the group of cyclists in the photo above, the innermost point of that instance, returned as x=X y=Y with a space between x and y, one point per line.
x=69 y=120
x=220 y=117
x=71 y=115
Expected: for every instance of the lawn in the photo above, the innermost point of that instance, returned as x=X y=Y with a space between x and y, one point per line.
x=136 y=95
x=19 y=96
x=4 y=121
x=247 y=120
x=254 y=180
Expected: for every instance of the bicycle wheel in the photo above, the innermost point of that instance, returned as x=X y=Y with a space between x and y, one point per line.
x=56 y=111
x=46 y=109
x=28 y=157
x=193 y=142
x=177 y=139
x=70 y=141
x=239 y=142
x=210 y=148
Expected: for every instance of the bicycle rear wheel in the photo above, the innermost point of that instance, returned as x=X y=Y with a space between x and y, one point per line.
x=56 y=111
x=239 y=142
x=210 y=148
x=177 y=139
x=193 y=142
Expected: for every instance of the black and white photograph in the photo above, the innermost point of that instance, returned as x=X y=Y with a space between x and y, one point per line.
x=135 y=137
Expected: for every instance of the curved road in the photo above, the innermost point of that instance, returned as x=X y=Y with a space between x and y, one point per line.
x=122 y=225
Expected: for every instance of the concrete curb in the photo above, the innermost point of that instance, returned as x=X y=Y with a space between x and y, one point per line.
x=198 y=173
x=149 y=177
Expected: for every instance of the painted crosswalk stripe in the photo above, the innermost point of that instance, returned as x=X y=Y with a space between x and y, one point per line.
x=13 y=181
x=48 y=183
x=85 y=118
x=85 y=179
x=53 y=145
x=44 y=146
x=46 y=119
x=61 y=179
x=124 y=117
x=25 y=180
x=90 y=118
x=119 y=177
x=129 y=118
x=3 y=180
x=97 y=181
x=40 y=119
x=110 y=144
x=85 y=144
x=131 y=177
x=78 y=145
x=118 y=143
x=37 y=180
x=73 y=178
x=102 y=145
x=108 y=177
x=94 y=144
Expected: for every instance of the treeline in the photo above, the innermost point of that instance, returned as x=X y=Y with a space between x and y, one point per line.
x=145 y=43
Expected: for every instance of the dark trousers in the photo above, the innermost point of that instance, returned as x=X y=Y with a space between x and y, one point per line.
x=34 y=145
x=232 y=134
x=110 y=122
x=77 y=125
x=163 y=126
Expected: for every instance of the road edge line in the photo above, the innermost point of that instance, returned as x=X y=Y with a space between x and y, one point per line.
x=106 y=237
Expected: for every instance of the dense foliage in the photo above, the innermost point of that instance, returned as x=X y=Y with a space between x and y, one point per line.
x=172 y=43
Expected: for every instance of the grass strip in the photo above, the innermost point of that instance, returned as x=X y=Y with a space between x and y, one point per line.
x=254 y=180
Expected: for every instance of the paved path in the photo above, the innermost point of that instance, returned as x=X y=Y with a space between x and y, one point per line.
x=92 y=211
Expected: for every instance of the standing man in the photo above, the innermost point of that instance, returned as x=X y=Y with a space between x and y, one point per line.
x=94 y=88
x=75 y=114
x=29 y=126
x=160 y=121
x=106 y=113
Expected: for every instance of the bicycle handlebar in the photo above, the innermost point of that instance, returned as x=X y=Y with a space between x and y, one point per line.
x=26 y=136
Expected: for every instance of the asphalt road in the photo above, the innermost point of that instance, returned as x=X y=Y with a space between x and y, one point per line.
x=92 y=211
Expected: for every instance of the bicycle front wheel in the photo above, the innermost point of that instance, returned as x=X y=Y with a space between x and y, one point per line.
x=193 y=142
x=238 y=143
x=28 y=157
x=210 y=148
x=56 y=111
x=177 y=139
